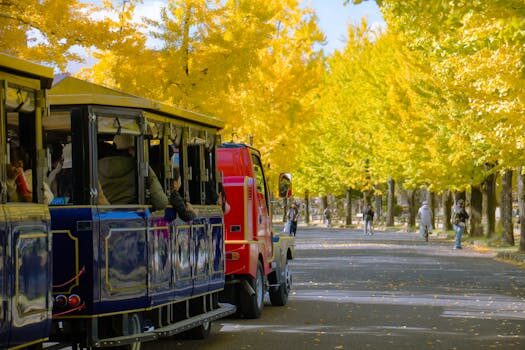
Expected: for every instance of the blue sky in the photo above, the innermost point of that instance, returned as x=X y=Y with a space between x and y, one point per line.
x=334 y=19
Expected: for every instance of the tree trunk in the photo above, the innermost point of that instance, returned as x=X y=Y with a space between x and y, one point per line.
x=447 y=210
x=379 y=207
x=476 y=207
x=367 y=198
x=489 y=212
x=324 y=199
x=307 y=207
x=390 y=203
x=460 y=195
x=412 y=209
x=506 y=207
x=521 y=202
x=431 y=199
x=348 y=207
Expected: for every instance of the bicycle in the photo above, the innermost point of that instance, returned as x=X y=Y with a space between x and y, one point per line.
x=426 y=233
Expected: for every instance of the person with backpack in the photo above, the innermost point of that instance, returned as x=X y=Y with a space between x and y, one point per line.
x=368 y=217
x=459 y=221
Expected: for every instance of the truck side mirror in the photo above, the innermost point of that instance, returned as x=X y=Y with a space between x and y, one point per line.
x=285 y=185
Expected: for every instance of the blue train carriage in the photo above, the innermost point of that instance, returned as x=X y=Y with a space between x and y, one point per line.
x=125 y=269
x=25 y=242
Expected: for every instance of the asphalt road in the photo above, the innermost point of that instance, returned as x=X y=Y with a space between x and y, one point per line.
x=387 y=291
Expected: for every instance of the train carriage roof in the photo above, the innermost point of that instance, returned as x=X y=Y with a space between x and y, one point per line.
x=73 y=91
x=27 y=69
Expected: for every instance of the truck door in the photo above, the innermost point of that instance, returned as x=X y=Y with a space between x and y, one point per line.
x=262 y=206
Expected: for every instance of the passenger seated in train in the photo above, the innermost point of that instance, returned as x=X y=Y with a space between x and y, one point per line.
x=60 y=179
x=183 y=209
x=56 y=151
x=118 y=175
x=17 y=187
x=20 y=184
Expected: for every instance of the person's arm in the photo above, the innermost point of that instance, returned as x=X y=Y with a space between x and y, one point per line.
x=22 y=185
x=102 y=200
x=158 y=198
x=183 y=210
x=53 y=173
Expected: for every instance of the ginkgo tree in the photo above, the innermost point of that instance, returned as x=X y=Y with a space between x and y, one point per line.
x=49 y=31
x=446 y=102
x=256 y=64
x=476 y=49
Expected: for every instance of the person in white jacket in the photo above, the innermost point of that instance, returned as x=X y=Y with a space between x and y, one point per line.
x=425 y=220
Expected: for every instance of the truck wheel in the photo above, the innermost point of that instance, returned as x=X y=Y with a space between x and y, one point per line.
x=252 y=305
x=279 y=295
x=199 y=332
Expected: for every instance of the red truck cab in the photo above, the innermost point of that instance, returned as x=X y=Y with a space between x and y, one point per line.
x=256 y=259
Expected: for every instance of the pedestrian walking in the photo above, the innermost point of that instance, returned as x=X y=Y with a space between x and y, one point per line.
x=459 y=221
x=368 y=217
x=293 y=215
x=425 y=220
x=327 y=217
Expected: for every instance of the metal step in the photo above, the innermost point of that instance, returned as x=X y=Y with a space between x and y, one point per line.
x=124 y=340
x=172 y=329
x=195 y=321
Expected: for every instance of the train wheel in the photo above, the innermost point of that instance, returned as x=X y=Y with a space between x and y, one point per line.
x=200 y=332
x=134 y=325
x=279 y=295
x=252 y=305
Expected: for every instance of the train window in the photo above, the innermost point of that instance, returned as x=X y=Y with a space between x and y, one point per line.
x=155 y=148
x=20 y=100
x=118 y=150
x=210 y=168
x=117 y=168
x=57 y=142
x=117 y=125
x=175 y=156
x=21 y=146
x=197 y=169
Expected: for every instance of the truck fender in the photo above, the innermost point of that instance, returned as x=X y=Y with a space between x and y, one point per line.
x=255 y=256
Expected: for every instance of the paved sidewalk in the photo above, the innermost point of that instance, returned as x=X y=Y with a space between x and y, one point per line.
x=510 y=254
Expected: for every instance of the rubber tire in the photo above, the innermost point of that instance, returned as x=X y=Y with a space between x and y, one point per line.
x=134 y=327
x=200 y=332
x=252 y=305
x=279 y=295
